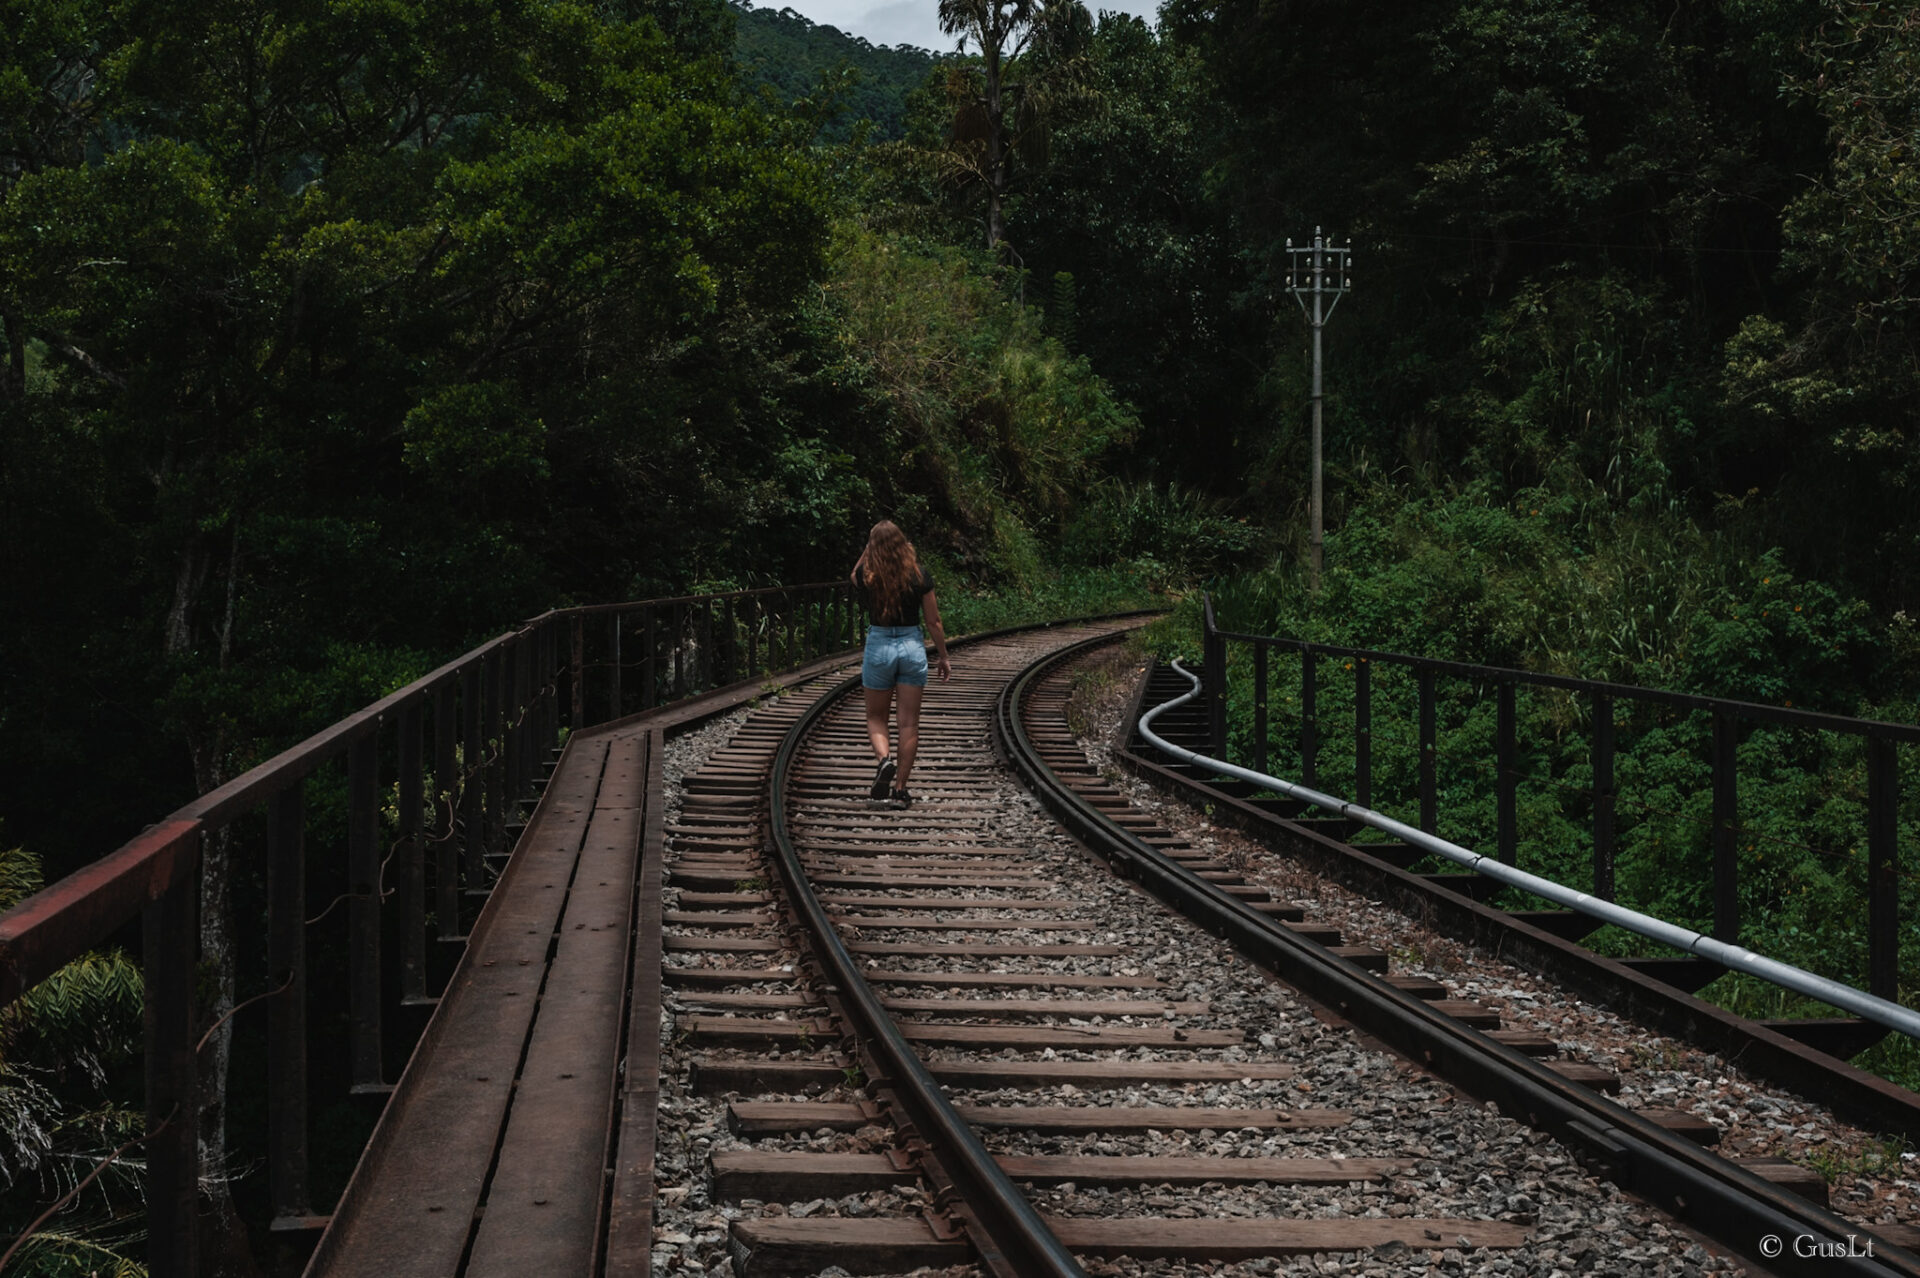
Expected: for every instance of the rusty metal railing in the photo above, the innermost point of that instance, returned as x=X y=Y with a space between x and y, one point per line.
x=1729 y=720
x=456 y=753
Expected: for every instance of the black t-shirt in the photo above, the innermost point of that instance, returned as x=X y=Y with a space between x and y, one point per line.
x=908 y=611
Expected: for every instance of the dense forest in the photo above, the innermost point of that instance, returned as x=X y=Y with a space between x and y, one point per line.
x=340 y=336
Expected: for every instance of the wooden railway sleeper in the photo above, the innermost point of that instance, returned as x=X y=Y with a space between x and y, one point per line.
x=1656 y=1163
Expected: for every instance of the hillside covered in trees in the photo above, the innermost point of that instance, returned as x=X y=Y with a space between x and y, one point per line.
x=849 y=81
x=338 y=337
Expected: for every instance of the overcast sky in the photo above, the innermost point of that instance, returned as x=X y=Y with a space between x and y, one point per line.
x=908 y=21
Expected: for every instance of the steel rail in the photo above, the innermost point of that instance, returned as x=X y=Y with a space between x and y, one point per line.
x=1736 y=957
x=1016 y=1240
x=1720 y=1199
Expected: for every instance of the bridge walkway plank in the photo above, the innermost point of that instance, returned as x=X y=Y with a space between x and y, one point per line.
x=491 y=1157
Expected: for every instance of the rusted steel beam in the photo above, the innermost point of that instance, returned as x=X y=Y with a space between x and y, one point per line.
x=54 y=926
x=593 y=610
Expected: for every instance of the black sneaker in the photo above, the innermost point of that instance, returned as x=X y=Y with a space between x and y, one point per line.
x=903 y=798
x=882 y=779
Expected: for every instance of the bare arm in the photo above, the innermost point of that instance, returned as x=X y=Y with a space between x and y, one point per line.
x=931 y=606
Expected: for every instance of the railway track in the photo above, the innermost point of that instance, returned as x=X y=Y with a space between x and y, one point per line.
x=1112 y=1085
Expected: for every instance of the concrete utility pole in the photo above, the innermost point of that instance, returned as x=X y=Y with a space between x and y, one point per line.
x=1320 y=273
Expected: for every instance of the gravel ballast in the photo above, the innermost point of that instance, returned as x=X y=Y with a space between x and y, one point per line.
x=1466 y=1161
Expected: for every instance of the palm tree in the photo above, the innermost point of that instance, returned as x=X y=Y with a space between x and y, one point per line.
x=1031 y=58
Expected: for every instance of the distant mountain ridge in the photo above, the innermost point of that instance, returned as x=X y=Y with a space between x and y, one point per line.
x=790 y=53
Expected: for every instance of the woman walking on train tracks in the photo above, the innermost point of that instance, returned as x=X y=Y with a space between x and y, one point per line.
x=895 y=589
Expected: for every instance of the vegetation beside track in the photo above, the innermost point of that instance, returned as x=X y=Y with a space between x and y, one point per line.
x=1539 y=584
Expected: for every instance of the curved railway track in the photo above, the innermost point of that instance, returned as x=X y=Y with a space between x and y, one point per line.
x=945 y=1036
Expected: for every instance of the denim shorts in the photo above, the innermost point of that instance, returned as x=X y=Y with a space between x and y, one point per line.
x=895 y=654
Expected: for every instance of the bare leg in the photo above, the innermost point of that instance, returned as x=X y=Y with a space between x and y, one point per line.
x=879 y=701
x=909 y=731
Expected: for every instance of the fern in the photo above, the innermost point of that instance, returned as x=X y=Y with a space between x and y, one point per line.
x=29 y=1114
x=57 y=1044
x=89 y=1248
x=86 y=1014
x=20 y=876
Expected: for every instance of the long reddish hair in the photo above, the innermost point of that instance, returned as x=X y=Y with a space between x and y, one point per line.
x=888 y=569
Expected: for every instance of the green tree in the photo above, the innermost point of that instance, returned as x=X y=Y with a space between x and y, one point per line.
x=1830 y=385
x=314 y=299
x=1030 y=59
x=1124 y=206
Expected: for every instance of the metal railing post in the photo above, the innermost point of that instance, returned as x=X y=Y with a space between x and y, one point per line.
x=539 y=683
x=1604 y=796
x=1309 y=717
x=1726 y=818
x=1883 y=865
x=413 y=866
x=492 y=693
x=1259 y=707
x=287 y=1011
x=708 y=674
x=552 y=682
x=519 y=726
x=678 y=687
x=363 y=911
x=473 y=782
x=1429 y=755
x=649 y=670
x=576 y=673
x=752 y=610
x=1507 y=773
x=446 y=825
x=615 y=698
x=1214 y=660
x=170 y=940
x=546 y=692
x=1363 y=732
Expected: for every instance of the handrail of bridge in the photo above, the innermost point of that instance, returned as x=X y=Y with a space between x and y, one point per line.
x=1882 y=740
x=466 y=741
x=1734 y=957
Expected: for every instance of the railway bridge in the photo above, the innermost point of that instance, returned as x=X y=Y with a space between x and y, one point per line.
x=629 y=974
